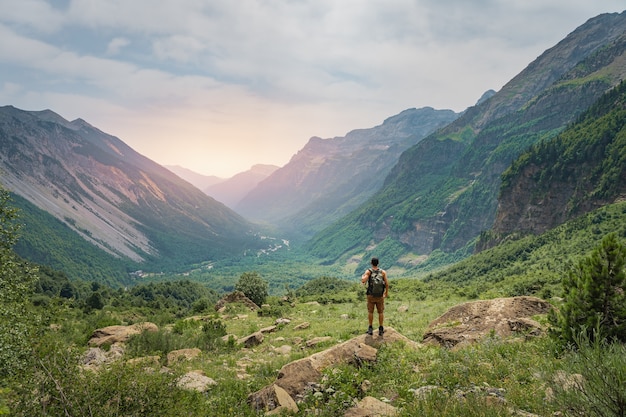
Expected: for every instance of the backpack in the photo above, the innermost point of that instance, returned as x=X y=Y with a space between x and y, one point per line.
x=376 y=287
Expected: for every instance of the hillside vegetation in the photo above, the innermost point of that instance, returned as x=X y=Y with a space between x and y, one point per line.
x=443 y=192
x=494 y=377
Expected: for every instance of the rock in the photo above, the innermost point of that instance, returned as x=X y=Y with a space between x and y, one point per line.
x=282 y=321
x=285 y=402
x=403 y=309
x=526 y=325
x=344 y=316
x=180 y=355
x=317 y=340
x=274 y=400
x=119 y=334
x=236 y=297
x=569 y=381
x=371 y=407
x=94 y=356
x=196 y=381
x=468 y=322
x=296 y=376
x=283 y=350
x=145 y=360
x=365 y=353
x=366 y=385
x=268 y=329
x=422 y=393
x=302 y=326
x=251 y=340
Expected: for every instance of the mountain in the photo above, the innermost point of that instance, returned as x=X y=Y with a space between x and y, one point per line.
x=114 y=198
x=234 y=189
x=443 y=191
x=328 y=178
x=580 y=170
x=198 y=180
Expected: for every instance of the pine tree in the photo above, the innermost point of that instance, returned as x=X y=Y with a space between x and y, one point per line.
x=595 y=295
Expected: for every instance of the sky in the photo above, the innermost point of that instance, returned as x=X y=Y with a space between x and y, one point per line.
x=217 y=86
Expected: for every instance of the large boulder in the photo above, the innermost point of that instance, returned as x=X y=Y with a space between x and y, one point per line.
x=471 y=321
x=296 y=376
x=119 y=334
x=236 y=297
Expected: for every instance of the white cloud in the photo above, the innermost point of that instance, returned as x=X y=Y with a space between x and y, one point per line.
x=256 y=72
x=31 y=14
x=116 y=45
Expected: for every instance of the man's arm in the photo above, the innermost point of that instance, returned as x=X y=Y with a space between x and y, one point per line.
x=386 y=284
x=365 y=276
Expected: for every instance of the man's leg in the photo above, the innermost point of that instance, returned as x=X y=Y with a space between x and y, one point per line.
x=381 y=317
x=370 y=315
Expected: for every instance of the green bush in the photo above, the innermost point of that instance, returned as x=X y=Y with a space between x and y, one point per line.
x=253 y=286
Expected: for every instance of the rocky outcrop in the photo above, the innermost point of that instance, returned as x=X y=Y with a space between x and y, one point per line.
x=296 y=376
x=236 y=297
x=116 y=334
x=472 y=321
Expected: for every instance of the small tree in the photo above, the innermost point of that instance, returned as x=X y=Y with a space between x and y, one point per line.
x=253 y=286
x=595 y=295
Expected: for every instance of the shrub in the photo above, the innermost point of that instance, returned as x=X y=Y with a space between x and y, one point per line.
x=595 y=295
x=592 y=380
x=253 y=286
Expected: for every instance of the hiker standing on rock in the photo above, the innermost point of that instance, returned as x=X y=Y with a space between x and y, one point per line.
x=377 y=291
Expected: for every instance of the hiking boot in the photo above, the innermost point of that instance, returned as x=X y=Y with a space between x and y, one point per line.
x=370 y=331
x=381 y=331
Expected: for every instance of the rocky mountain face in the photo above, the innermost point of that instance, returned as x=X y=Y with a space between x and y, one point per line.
x=584 y=168
x=234 y=189
x=226 y=190
x=198 y=180
x=443 y=191
x=330 y=177
x=113 y=197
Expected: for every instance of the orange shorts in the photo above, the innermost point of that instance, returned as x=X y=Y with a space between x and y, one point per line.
x=379 y=302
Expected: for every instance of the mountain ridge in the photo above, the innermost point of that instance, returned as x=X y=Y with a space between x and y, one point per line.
x=112 y=196
x=443 y=191
x=328 y=178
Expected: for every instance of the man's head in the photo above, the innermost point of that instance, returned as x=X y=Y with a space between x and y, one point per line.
x=374 y=261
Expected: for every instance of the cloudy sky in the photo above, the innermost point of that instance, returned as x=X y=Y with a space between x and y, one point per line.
x=219 y=85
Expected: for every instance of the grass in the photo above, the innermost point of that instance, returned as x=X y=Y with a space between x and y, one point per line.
x=494 y=377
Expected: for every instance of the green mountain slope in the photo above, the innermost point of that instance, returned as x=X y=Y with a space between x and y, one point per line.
x=443 y=192
x=45 y=240
x=581 y=169
x=115 y=199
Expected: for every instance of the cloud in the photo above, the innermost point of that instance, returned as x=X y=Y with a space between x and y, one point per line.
x=265 y=75
x=116 y=45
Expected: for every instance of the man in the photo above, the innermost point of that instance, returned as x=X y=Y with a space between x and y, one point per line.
x=377 y=291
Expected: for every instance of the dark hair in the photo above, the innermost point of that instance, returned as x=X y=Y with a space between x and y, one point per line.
x=375 y=261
